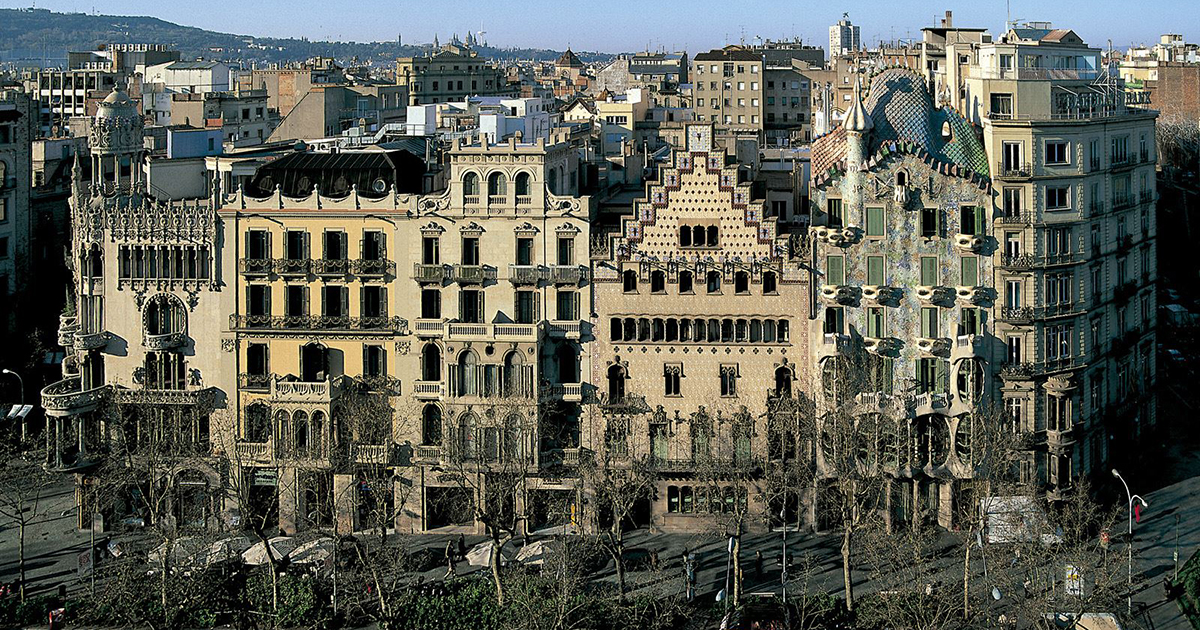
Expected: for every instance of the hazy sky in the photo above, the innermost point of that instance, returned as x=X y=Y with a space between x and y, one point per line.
x=620 y=25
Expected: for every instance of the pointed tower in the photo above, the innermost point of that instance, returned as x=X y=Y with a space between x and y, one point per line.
x=858 y=126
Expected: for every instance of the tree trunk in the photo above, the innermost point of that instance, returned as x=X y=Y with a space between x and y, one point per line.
x=495 y=566
x=737 y=570
x=967 y=581
x=846 y=534
x=618 y=553
x=21 y=554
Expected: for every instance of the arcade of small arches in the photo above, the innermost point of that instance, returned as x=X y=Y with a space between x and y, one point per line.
x=699 y=330
x=296 y=432
x=712 y=280
x=469 y=437
x=497 y=184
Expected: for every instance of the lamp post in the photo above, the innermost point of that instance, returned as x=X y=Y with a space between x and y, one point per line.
x=1129 y=572
x=21 y=383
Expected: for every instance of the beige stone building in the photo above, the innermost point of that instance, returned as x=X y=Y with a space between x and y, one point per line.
x=452 y=73
x=700 y=311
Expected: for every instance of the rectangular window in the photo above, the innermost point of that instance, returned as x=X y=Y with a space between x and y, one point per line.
x=932 y=375
x=430 y=251
x=929 y=271
x=835 y=270
x=930 y=222
x=971 y=220
x=525 y=307
x=1058 y=197
x=374 y=358
x=335 y=245
x=470 y=306
x=969 y=322
x=1012 y=202
x=524 y=251
x=875 y=322
x=297 y=300
x=970 y=271
x=431 y=304
x=470 y=250
x=1012 y=294
x=929 y=322
x=833 y=208
x=729 y=374
x=373 y=247
x=567 y=305
x=875 y=221
x=297 y=245
x=1057 y=152
x=875 y=273
x=566 y=251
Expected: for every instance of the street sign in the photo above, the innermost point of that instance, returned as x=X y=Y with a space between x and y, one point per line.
x=18 y=412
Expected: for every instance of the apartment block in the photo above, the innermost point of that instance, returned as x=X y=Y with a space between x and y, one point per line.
x=452 y=73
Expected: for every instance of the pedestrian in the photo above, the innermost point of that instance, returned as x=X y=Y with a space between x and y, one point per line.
x=462 y=546
x=449 y=560
x=758 y=565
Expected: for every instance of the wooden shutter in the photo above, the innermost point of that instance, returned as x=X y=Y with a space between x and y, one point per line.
x=344 y=294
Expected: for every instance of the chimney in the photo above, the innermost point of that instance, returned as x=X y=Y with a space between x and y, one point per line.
x=948 y=21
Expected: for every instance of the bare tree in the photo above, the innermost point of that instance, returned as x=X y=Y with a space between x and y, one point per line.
x=618 y=484
x=24 y=484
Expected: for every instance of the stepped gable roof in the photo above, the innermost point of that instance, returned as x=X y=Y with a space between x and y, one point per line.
x=905 y=118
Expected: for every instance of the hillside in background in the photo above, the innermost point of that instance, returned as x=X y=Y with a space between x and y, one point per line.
x=31 y=35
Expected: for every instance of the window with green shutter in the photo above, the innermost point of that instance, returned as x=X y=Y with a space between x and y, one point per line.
x=929 y=322
x=874 y=221
x=970 y=271
x=875 y=273
x=835 y=270
x=929 y=272
x=875 y=322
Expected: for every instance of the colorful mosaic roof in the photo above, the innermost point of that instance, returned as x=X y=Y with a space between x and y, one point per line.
x=905 y=116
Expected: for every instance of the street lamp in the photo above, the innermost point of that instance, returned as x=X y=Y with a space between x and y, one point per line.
x=21 y=382
x=1129 y=573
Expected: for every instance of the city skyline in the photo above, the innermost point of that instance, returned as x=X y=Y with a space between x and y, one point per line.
x=708 y=25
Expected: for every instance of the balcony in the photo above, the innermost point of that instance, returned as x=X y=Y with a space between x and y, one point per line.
x=427 y=390
x=840 y=294
x=1017 y=314
x=472 y=200
x=1060 y=439
x=331 y=268
x=473 y=274
x=932 y=294
x=68 y=397
x=967 y=347
x=882 y=294
x=883 y=346
x=166 y=341
x=306 y=391
x=1145 y=196
x=373 y=267
x=1125 y=291
x=930 y=403
x=91 y=340
x=524 y=274
x=524 y=200
x=628 y=404
x=838 y=237
x=968 y=243
x=429 y=327
x=568 y=274
x=1014 y=170
x=253 y=452
x=975 y=295
x=1016 y=262
x=429 y=273
x=567 y=329
x=68 y=325
x=496 y=200
x=833 y=344
x=936 y=346
x=1014 y=219
x=567 y=392
x=255 y=266
x=1123 y=201
x=304 y=323
x=490 y=332
x=254 y=381
x=376 y=454
x=293 y=267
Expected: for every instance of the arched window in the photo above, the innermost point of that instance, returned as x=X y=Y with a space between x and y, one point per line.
x=466 y=435
x=164 y=315
x=281 y=425
x=628 y=329
x=497 y=185
x=657 y=329
x=726 y=330
x=769 y=331
x=643 y=329
x=672 y=330
x=467 y=368
x=783 y=382
x=316 y=433
x=552 y=181
x=741 y=330
x=513 y=376
x=901 y=178
x=431 y=363
x=629 y=280
x=258 y=425
x=685 y=282
x=713 y=280
x=522 y=183
x=301 y=432
x=95 y=261
x=616 y=383
x=513 y=437
x=712 y=236
x=313 y=363
x=685 y=236
x=755 y=331
x=714 y=330
x=698 y=236
x=471 y=184
x=685 y=329
x=658 y=281
x=741 y=283
x=431 y=425
x=768 y=279
x=614 y=329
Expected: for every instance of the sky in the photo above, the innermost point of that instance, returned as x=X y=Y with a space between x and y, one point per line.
x=626 y=25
